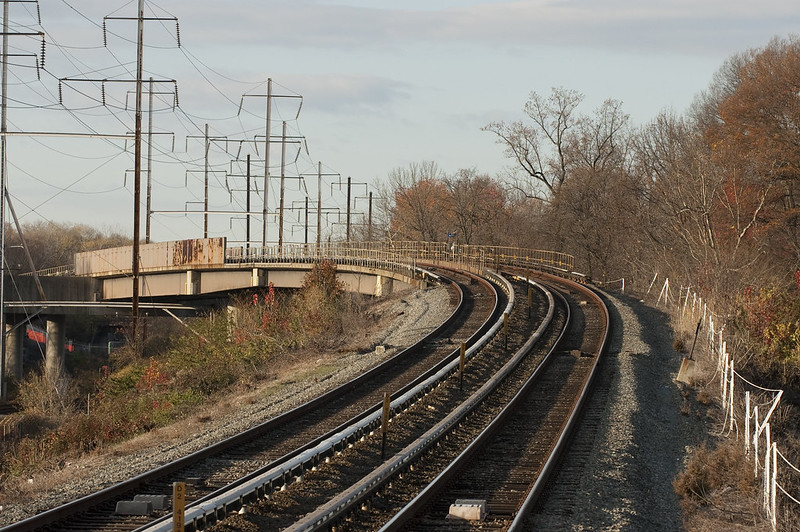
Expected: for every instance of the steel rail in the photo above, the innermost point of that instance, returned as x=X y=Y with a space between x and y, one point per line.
x=518 y=523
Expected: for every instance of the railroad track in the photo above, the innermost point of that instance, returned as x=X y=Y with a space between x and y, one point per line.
x=500 y=453
x=287 y=437
x=319 y=502
x=504 y=470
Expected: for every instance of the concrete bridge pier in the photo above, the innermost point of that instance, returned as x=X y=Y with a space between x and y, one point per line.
x=54 y=348
x=15 y=333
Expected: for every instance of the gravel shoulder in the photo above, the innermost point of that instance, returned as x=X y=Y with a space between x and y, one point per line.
x=404 y=318
x=626 y=464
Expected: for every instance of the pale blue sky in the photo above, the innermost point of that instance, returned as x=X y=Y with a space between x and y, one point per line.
x=384 y=84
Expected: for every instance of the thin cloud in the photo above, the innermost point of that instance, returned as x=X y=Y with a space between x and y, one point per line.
x=679 y=24
x=338 y=93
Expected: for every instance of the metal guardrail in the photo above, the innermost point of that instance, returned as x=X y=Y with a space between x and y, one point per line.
x=55 y=271
x=405 y=253
x=399 y=257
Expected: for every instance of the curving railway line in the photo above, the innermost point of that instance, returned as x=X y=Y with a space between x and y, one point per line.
x=480 y=424
x=503 y=470
x=286 y=437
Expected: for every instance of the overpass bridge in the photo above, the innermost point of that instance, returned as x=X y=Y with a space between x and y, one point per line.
x=180 y=276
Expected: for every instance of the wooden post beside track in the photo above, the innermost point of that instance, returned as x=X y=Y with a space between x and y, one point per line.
x=530 y=301
x=462 y=362
x=387 y=403
x=178 y=505
x=505 y=329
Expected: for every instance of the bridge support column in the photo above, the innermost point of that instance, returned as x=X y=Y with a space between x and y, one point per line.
x=15 y=333
x=192 y=282
x=383 y=285
x=259 y=276
x=54 y=348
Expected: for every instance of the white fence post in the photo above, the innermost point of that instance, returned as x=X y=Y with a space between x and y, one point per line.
x=756 y=433
x=773 y=489
x=767 y=463
x=747 y=424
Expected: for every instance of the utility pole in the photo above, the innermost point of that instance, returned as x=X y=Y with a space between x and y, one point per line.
x=149 y=162
x=267 y=141
x=4 y=196
x=369 y=219
x=319 y=206
x=349 y=184
x=247 y=230
x=137 y=170
x=205 y=194
x=283 y=190
x=319 y=176
x=306 y=225
x=3 y=167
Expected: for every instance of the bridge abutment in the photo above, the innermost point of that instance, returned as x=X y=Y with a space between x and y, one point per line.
x=54 y=348
x=15 y=333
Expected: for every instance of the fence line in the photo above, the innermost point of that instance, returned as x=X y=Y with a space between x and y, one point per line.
x=737 y=406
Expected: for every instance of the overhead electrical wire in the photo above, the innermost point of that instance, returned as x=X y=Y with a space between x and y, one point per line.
x=118 y=109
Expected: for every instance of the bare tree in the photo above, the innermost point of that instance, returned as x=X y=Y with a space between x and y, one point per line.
x=599 y=141
x=421 y=202
x=476 y=203
x=538 y=149
x=54 y=244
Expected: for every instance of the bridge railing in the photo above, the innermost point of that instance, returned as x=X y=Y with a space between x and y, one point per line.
x=397 y=256
x=402 y=256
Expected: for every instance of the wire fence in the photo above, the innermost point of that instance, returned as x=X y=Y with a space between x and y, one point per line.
x=746 y=406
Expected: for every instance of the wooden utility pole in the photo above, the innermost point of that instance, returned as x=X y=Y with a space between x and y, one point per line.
x=349 y=187
x=369 y=220
x=319 y=206
x=205 y=181
x=149 y=163
x=3 y=166
x=137 y=171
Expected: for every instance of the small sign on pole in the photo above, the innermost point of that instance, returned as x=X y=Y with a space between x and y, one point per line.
x=178 y=505
x=387 y=409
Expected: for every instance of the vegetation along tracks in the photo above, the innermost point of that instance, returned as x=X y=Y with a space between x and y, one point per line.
x=287 y=438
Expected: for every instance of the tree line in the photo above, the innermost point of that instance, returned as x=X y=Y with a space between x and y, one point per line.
x=708 y=198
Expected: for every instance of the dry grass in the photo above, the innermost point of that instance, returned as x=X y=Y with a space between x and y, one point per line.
x=303 y=366
x=718 y=490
